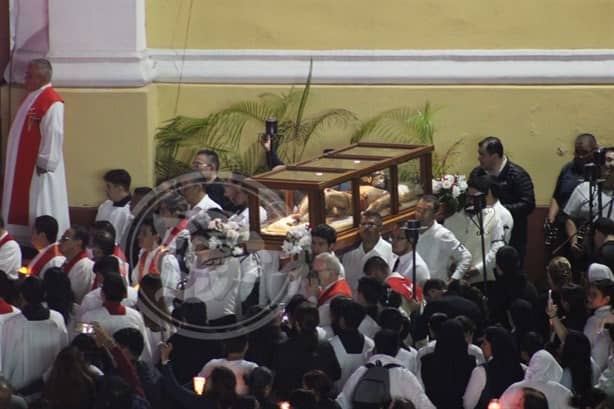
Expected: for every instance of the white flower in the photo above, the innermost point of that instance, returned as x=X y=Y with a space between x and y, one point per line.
x=305 y=242
x=436 y=186
x=450 y=179
x=237 y=251
x=232 y=236
x=446 y=184
x=460 y=178
x=214 y=243
x=456 y=192
x=462 y=185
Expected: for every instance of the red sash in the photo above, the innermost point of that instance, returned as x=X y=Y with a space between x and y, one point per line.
x=119 y=253
x=27 y=155
x=68 y=265
x=6 y=239
x=115 y=308
x=122 y=271
x=153 y=266
x=51 y=252
x=403 y=286
x=5 y=308
x=341 y=287
x=175 y=232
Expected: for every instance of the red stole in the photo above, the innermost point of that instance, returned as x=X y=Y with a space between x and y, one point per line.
x=341 y=287
x=175 y=232
x=122 y=271
x=114 y=308
x=27 y=155
x=6 y=239
x=5 y=308
x=51 y=252
x=153 y=266
x=119 y=253
x=68 y=265
x=403 y=286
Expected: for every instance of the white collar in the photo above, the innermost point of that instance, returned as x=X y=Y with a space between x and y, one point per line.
x=501 y=168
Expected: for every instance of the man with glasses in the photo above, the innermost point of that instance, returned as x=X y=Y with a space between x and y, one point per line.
x=403 y=249
x=437 y=245
x=372 y=244
x=207 y=163
x=78 y=266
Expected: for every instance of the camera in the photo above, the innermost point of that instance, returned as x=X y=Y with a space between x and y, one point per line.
x=412 y=230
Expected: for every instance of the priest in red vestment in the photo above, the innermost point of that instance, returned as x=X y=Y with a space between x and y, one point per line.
x=34 y=177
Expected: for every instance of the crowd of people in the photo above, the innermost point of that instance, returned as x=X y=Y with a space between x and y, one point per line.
x=144 y=308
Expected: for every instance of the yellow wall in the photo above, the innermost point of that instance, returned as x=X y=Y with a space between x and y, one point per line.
x=389 y=24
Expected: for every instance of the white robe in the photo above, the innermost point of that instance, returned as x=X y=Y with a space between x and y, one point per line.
x=29 y=348
x=406 y=264
x=48 y=194
x=10 y=258
x=119 y=216
x=354 y=261
x=440 y=249
x=349 y=362
x=3 y=319
x=93 y=300
x=57 y=261
x=170 y=273
x=81 y=277
x=113 y=323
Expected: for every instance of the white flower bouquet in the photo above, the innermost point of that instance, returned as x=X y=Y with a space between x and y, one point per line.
x=451 y=189
x=298 y=240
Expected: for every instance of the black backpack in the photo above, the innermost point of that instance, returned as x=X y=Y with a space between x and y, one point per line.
x=373 y=389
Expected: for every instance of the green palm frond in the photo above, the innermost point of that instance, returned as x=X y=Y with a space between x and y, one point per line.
x=393 y=125
x=249 y=162
x=441 y=163
x=423 y=125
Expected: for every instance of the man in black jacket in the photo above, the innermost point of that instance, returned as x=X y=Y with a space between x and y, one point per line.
x=514 y=188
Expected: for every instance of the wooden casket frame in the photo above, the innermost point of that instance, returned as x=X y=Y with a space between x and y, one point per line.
x=380 y=156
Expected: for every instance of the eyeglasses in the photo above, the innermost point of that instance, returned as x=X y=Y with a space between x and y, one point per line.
x=200 y=165
x=368 y=224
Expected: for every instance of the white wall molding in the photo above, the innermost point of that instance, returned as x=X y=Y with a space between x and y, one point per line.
x=385 y=67
x=141 y=66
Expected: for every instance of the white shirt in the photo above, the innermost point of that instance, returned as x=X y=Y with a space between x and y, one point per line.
x=81 y=277
x=241 y=368
x=473 y=350
x=368 y=327
x=465 y=228
x=354 y=261
x=439 y=248
x=578 y=205
x=403 y=384
x=217 y=286
x=406 y=264
x=506 y=218
x=168 y=267
x=93 y=300
x=206 y=203
x=29 y=348
x=349 y=362
x=10 y=257
x=113 y=323
x=600 y=339
x=118 y=216
x=242 y=218
x=408 y=358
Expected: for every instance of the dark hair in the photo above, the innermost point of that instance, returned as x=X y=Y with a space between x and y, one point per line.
x=70 y=383
x=149 y=222
x=308 y=319
x=508 y=260
x=376 y=263
x=606 y=288
x=575 y=296
x=326 y=232
x=504 y=368
x=436 y=321
x=434 y=284
x=521 y=313
x=47 y=225
x=175 y=204
x=113 y=392
x=235 y=345
x=7 y=287
x=151 y=302
x=211 y=156
x=371 y=290
x=107 y=264
x=104 y=241
x=142 y=191
x=353 y=314
x=387 y=342
x=192 y=311
x=295 y=301
x=372 y=214
x=530 y=343
x=58 y=292
x=114 y=288
x=392 y=319
x=118 y=177
x=132 y=339
x=91 y=353
x=534 y=399
x=258 y=379
x=32 y=290
x=483 y=184
x=302 y=399
x=467 y=323
x=82 y=234
x=104 y=225
x=586 y=137
x=604 y=226
x=318 y=382
x=433 y=200
x=576 y=356
x=337 y=305
x=222 y=383
x=492 y=145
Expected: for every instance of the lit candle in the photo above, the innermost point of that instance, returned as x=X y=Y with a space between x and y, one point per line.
x=284 y=405
x=24 y=270
x=494 y=404
x=319 y=173
x=199 y=384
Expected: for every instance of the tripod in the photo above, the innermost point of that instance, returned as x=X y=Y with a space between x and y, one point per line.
x=478 y=204
x=412 y=233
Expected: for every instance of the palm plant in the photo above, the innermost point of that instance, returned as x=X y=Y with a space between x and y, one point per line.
x=223 y=132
